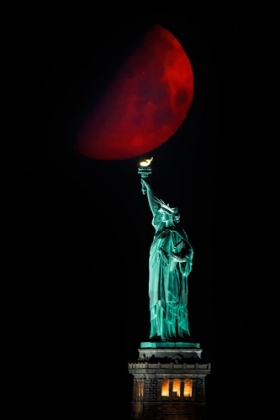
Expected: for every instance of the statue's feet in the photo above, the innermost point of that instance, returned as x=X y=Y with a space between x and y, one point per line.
x=155 y=339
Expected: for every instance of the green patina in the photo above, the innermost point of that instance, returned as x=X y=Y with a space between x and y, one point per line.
x=170 y=263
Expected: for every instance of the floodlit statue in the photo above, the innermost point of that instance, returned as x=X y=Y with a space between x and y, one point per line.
x=170 y=264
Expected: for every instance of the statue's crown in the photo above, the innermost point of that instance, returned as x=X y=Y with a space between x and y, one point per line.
x=163 y=205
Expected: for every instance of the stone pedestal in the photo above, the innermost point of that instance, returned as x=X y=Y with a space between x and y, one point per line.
x=169 y=382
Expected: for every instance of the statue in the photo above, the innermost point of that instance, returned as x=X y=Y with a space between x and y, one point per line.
x=170 y=264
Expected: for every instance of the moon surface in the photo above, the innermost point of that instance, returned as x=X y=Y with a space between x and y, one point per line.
x=144 y=105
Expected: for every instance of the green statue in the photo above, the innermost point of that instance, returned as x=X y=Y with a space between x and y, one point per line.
x=170 y=263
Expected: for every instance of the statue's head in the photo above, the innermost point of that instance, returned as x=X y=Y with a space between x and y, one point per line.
x=168 y=213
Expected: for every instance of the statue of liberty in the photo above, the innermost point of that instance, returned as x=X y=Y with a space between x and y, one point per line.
x=170 y=264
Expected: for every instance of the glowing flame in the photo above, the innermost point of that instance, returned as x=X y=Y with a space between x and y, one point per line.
x=146 y=162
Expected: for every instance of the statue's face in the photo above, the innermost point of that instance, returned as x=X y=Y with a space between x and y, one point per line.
x=165 y=216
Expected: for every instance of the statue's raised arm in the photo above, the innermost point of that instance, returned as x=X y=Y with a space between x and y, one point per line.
x=151 y=197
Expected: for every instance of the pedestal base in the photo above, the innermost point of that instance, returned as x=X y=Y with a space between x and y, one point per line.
x=168 y=384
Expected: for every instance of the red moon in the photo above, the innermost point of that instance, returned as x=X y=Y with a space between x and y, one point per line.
x=144 y=105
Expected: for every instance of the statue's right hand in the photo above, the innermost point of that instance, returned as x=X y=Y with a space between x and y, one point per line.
x=145 y=184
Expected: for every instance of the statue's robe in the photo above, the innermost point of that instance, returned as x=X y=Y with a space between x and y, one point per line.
x=168 y=281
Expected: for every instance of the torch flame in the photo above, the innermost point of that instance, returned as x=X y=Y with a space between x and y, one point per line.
x=146 y=162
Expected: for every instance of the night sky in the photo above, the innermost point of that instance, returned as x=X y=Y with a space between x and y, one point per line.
x=83 y=227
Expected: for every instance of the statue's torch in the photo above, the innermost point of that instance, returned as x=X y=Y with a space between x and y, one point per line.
x=145 y=170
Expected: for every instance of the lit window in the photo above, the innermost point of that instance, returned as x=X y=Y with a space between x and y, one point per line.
x=187 y=388
x=140 y=388
x=165 y=388
x=176 y=387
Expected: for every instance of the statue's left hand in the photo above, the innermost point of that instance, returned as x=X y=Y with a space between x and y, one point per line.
x=177 y=257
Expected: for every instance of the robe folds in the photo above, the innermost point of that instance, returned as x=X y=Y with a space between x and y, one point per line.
x=168 y=281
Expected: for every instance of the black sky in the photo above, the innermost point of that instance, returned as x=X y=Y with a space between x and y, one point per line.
x=83 y=229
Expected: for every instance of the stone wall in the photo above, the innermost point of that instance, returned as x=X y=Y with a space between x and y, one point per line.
x=152 y=405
